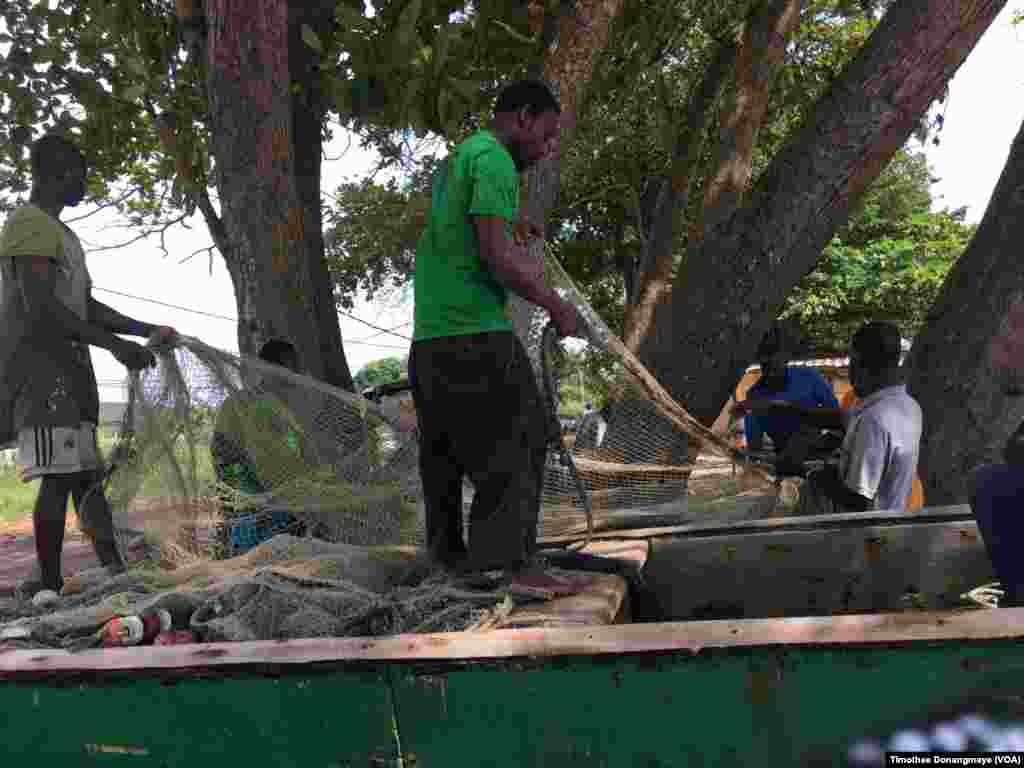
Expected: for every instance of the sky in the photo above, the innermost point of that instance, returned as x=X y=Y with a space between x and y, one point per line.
x=983 y=114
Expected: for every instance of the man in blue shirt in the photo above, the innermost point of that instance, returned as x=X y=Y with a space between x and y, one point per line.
x=791 y=438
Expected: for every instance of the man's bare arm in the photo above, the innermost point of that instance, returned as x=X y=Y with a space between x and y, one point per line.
x=499 y=255
x=112 y=320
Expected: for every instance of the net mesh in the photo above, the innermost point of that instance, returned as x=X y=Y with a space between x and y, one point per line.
x=234 y=447
x=226 y=448
x=220 y=453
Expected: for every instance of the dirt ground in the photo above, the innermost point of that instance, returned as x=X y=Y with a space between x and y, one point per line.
x=18 y=554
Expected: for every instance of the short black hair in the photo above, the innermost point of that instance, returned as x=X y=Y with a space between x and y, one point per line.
x=51 y=154
x=878 y=345
x=532 y=95
x=278 y=352
x=775 y=339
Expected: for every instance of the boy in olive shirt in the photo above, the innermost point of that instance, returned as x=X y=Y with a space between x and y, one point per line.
x=480 y=411
x=49 y=405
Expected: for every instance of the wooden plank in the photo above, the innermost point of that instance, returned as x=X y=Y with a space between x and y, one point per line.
x=817 y=571
x=598 y=600
x=810 y=522
x=633 y=552
x=692 y=637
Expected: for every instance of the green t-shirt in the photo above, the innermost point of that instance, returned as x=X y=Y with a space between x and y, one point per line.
x=455 y=294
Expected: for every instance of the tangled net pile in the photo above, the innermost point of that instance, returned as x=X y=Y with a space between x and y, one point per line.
x=285 y=588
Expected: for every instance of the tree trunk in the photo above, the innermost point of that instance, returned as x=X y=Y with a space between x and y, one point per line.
x=574 y=39
x=735 y=279
x=657 y=262
x=967 y=420
x=269 y=191
x=308 y=111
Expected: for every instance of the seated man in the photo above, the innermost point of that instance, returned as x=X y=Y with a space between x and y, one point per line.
x=792 y=438
x=243 y=456
x=996 y=491
x=879 y=453
x=850 y=402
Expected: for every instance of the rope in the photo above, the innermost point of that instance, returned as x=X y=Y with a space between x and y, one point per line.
x=549 y=347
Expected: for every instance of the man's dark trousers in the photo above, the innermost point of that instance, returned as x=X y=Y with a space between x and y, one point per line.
x=481 y=416
x=996 y=494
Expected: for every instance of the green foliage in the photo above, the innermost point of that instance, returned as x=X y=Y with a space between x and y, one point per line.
x=16 y=497
x=384 y=371
x=111 y=72
x=102 y=71
x=887 y=263
x=372 y=233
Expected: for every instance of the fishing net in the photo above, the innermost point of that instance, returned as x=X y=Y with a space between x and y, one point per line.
x=222 y=448
x=287 y=587
x=226 y=449
x=219 y=453
x=632 y=460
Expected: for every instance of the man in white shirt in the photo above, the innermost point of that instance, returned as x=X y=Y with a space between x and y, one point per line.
x=878 y=459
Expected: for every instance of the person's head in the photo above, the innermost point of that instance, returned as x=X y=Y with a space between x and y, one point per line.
x=773 y=352
x=874 y=357
x=280 y=352
x=58 y=170
x=526 y=120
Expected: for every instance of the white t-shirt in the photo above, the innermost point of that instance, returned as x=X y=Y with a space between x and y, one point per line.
x=880 y=450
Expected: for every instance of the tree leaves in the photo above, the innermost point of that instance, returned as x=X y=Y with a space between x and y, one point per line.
x=404 y=39
x=134 y=92
x=312 y=39
x=889 y=262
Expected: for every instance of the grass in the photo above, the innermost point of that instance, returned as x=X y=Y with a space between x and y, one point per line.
x=17 y=498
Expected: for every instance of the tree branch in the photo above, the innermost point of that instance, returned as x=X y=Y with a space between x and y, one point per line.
x=656 y=262
x=104 y=206
x=762 y=45
x=214 y=223
x=149 y=232
x=549 y=36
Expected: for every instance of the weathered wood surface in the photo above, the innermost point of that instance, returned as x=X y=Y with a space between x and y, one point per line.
x=858 y=566
x=689 y=637
x=597 y=599
x=741 y=523
x=713 y=693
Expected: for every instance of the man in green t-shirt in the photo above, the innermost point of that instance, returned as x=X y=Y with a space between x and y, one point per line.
x=49 y=405
x=479 y=408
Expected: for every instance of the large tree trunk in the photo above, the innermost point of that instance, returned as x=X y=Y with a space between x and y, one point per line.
x=736 y=277
x=267 y=153
x=754 y=60
x=966 y=418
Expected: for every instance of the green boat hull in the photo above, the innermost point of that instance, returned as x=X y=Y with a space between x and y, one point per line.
x=733 y=692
